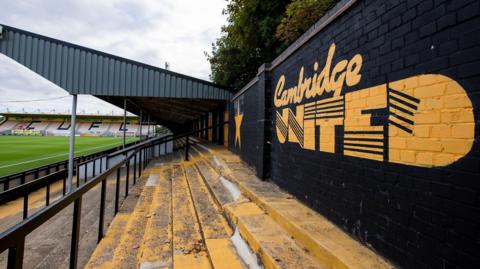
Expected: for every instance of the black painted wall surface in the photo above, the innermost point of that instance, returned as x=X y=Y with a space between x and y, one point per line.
x=250 y=144
x=417 y=217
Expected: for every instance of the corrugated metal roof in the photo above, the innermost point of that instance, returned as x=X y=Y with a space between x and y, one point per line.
x=81 y=70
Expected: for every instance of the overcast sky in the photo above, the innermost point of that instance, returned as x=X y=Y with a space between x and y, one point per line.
x=149 y=31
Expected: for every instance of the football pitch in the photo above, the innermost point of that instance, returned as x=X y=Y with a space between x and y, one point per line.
x=20 y=153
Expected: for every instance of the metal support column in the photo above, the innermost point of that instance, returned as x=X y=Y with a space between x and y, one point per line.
x=71 y=151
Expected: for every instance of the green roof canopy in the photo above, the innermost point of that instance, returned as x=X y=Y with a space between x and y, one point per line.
x=171 y=98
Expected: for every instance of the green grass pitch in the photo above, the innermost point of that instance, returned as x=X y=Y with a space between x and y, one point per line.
x=20 y=153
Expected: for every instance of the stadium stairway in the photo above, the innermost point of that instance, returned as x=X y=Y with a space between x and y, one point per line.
x=190 y=215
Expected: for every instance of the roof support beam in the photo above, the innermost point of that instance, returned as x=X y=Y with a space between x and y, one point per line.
x=80 y=70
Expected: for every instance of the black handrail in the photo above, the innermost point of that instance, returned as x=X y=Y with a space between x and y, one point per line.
x=13 y=238
x=35 y=172
x=25 y=189
x=127 y=149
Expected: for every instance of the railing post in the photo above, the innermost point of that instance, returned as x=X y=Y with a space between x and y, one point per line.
x=126 y=177
x=140 y=161
x=77 y=210
x=15 y=255
x=47 y=196
x=117 y=191
x=144 y=157
x=25 y=205
x=78 y=174
x=135 y=168
x=85 y=176
x=6 y=184
x=94 y=166
x=139 y=164
x=187 y=145
x=102 y=210
x=64 y=189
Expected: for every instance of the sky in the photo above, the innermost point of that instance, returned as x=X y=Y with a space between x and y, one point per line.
x=149 y=31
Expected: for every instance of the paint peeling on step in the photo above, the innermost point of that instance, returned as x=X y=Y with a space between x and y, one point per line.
x=217 y=162
x=155 y=265
x=152 y=180
x=244 y=251
x=232 y=188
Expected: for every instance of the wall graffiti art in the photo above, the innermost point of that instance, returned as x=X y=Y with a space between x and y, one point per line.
x=424 y=120
x=238 y=121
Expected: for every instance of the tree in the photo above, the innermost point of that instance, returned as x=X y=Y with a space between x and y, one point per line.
x=248 y=40
x=300 y=16
x=256 y=32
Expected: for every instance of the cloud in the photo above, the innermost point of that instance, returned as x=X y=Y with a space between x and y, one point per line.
x=150 y=31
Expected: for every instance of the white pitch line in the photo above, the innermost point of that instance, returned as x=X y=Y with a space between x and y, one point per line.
x=53 y=156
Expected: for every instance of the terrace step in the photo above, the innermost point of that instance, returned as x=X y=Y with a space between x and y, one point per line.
x=126 y=252
x=265 y=237
x=215 y=230
x=272 y=243
x=175 y=224
x=104 y=253
x=156 y=249
x=186 y=213
x=189 y=250
x=327 y=243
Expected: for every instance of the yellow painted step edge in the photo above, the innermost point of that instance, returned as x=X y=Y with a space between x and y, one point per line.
x=223 y=254
x=314 y=246
x=111 y=239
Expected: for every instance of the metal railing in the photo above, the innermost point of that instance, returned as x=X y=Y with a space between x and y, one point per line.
x=139 y=155
x=25 y=189
x=80 y=166
x=17 y=179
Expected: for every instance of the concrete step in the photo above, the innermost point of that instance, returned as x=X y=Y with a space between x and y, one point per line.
x=189 y=249
x=103 y=254
x=156 y=249
x=106 y=253
x=215 y=184
x=126 y=252
x=174 y=224
x=326 y=242
x=265 y=237
x=215 y=230
x=272 y=243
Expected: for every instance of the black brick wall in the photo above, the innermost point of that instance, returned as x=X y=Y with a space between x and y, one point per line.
x=417 y=217
x=251 y=144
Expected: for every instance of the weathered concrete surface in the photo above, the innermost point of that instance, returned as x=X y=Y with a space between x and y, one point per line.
x=156 y=249
x=327 y=243
x=185 y=217
x=215 y=229
x=189 y=249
